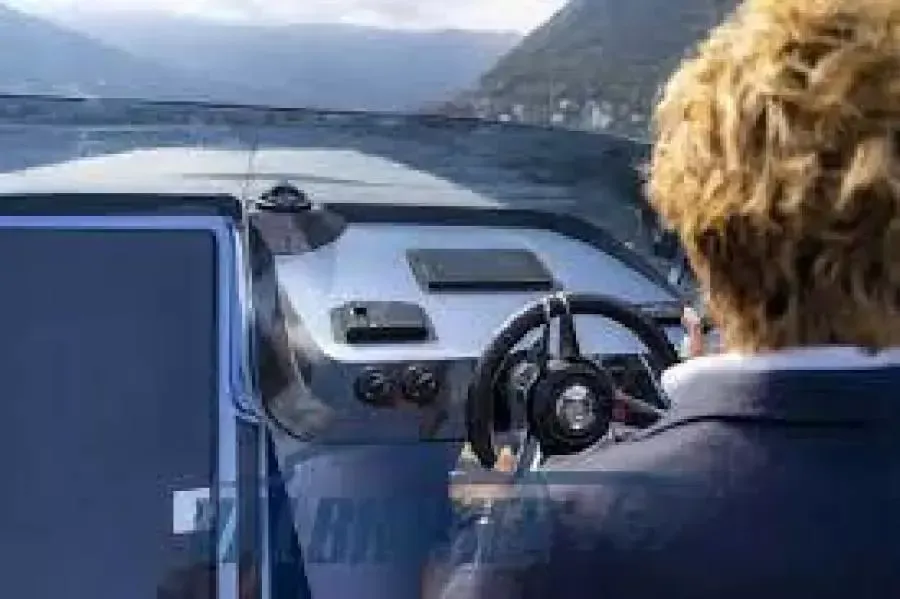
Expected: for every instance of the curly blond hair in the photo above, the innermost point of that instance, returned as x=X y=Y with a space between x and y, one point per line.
x=777 y=162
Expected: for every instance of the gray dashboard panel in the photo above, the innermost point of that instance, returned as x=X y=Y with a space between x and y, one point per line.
x=368 y=262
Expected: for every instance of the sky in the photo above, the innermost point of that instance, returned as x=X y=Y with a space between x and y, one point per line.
x=498 y=15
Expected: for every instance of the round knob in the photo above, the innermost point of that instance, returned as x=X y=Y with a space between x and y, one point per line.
x=375 y=387
x=420 y=385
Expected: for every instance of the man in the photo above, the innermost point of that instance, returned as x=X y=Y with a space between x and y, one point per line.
x=777 y=472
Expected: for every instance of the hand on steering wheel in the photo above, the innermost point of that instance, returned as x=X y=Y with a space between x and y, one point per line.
x=466 y=491
x=695 y=340
x=569 y=397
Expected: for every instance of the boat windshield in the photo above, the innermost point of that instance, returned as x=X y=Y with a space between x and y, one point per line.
x=85 y=145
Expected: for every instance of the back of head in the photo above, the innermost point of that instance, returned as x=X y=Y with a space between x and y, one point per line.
x=777 y=161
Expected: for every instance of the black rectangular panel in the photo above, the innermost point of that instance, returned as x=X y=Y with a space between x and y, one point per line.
x=108 y=367
x=380 y=322
x=483 y=270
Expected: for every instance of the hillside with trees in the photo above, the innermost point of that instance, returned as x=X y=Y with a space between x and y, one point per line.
x=596 y=64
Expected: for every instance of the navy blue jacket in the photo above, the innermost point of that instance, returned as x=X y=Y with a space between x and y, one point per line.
x=757 y=485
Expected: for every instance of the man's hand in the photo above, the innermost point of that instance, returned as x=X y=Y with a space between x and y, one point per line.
x=469 y=492
x=695 y=342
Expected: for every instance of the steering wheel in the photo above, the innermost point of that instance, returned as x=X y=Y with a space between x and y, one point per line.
x=568 y=397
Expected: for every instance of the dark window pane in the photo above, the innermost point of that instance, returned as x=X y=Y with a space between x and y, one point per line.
x=108 y=378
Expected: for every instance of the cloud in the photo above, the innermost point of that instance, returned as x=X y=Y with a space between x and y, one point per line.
x=519 y=15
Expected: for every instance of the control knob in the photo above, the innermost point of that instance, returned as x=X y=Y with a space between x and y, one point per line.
x=420 y=385
x=376 y=388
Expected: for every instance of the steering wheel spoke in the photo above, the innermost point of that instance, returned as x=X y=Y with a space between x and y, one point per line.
x=557 y=307
x=568 y=338
x=641 y=407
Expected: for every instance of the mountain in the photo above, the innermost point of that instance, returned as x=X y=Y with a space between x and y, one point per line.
x=39 y=57
x=327 y=66
x=608 y=55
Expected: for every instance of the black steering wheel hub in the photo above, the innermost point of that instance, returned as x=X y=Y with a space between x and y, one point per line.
x=570 y=407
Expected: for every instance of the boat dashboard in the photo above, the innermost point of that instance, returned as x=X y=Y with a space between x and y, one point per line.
x=372 y=317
